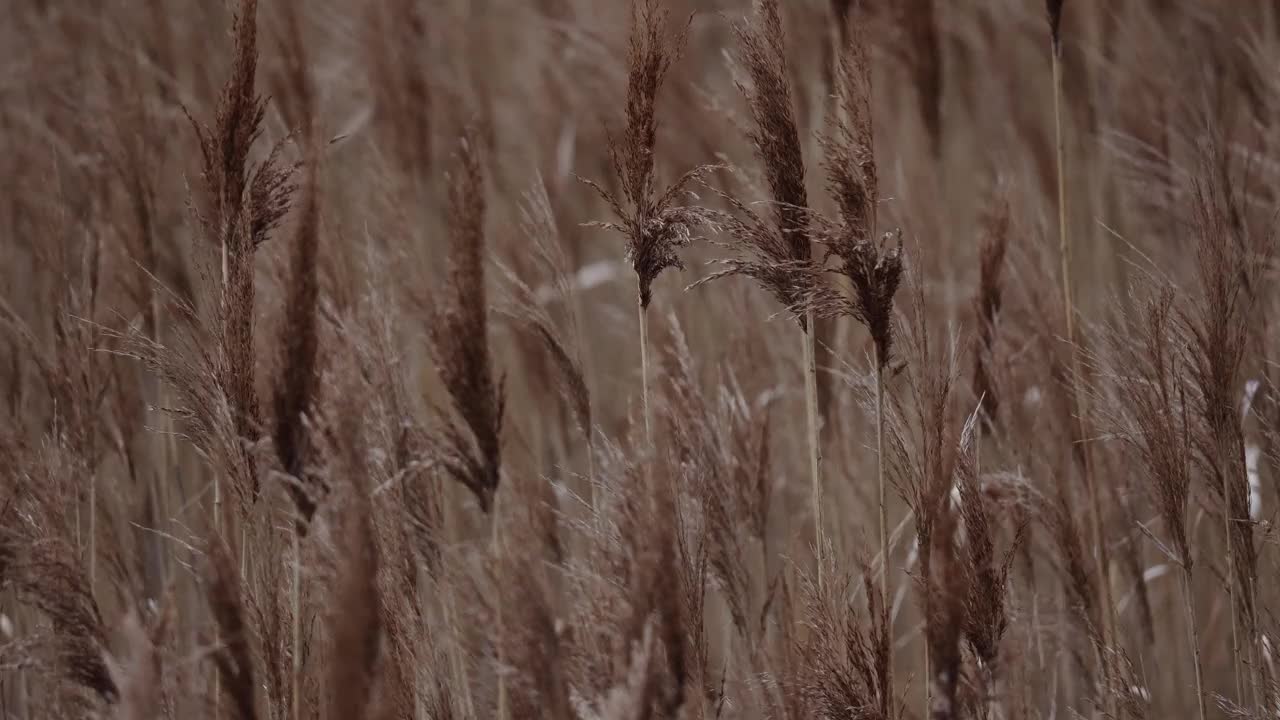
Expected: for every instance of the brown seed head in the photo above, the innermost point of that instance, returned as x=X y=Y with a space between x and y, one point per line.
x=471 y=452
x=1054 y=8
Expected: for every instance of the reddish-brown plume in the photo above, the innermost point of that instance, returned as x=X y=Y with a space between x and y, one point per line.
x=1231 y=256
x=246 y=204
x=39 y=560
x=655 y=225
x=471 y=451
x=873 y=267
x=298 y=383
x=774 y=251
x=843 y=656
x=986 y=617
x=762 y=48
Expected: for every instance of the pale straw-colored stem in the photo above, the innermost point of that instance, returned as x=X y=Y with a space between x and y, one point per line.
x=1064 y=253
x=644 y=374
x=1193 y=631
x=502 y=676
x=296 y=601
x=884 y=519
x=809 y=340
x=1230 y=573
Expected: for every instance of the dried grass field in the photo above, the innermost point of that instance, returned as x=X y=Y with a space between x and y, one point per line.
x=630 y=359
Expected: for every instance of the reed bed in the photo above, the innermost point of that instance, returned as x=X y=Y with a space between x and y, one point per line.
x=328 y=391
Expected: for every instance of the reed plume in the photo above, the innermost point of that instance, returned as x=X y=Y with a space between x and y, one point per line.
x=844 y=659
x=1150 y=411
x=246 y=203
x=986 y=615
x=1230 y=257
x=297 y=388
x=777 y=252
x=654 y=224
x=470 y=452
x=39 y=562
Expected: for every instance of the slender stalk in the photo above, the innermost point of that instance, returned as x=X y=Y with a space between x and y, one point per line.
x=502 y=677
x=884 y=525
x=1193 y=630
x=644 y=372
x=1231 y=580
x=296 y=601
x=93 y=530
x=217 y=532
x=591 y=468
x=809 y=340
x=928 y=677
x=1064 y=252
x=450 y=611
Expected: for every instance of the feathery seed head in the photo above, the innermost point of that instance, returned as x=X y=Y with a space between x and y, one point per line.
x=1054 y=9
x=470 y=452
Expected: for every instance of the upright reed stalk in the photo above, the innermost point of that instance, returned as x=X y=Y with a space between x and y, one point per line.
x=656 y=227
x=1064 y=254
x=502 y=677
x=644 y=374
x=1193 y=630
x=884 y=527
x=809 y=339
x=296 y=602
x=1230 y=574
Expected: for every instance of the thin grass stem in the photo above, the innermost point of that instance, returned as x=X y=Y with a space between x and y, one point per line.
x=809 y=341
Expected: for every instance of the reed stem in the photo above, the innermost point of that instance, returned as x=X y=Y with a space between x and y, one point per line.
x=296 y=601
x=1230 y=573
x=502 y=676
x=644 y=373
x=809 y=340
x=1193 y=629
x=1064 y=252
x=884 y=524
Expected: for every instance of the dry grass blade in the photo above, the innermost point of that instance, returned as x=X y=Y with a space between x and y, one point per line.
x=188 y=364
x=705 y=436
x=530 y=309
